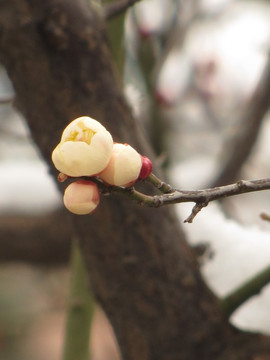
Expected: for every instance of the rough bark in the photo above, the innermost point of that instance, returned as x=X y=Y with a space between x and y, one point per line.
x=142 y=271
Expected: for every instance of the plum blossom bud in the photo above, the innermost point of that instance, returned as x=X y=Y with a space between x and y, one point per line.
x=146 y=167
x=81 y=197
x=85 y=148
x=124 y=166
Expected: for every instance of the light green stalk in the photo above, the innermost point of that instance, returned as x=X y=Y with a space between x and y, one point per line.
x=80 y=310
x=252 y=287
x=115 y=31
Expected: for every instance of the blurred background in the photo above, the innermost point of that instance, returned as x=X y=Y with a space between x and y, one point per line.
x=195 y=74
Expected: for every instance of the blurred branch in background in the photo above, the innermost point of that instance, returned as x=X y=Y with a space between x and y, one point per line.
x=115 y=25
x=144 y=57
x=4 y=100
x=250 y=288
x=117 y=7
x=145 y=47
x=239 y=147
x=40 y=240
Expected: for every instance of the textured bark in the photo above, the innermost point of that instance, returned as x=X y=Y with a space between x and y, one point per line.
x=141 y=269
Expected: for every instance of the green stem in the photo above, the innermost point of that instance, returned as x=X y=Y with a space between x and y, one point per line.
x=147 y=56
x=116 y=39
x=80 y=310
x=159 y=184
x=252 y=287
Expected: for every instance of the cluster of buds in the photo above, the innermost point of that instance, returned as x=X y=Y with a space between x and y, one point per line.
x=86 y=149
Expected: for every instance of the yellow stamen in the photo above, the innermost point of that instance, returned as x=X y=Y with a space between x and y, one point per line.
x=86 y=135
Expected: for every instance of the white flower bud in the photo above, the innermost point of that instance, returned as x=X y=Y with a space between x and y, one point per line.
x=124 y=166
x=85 y=148
x=81 y=197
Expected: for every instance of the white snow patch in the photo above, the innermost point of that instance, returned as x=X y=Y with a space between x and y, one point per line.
x=27 y=187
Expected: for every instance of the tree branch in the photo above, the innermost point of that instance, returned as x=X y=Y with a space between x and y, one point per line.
x=174 y=196
x=4 y=100
x=252 y=287
x=246 y=135
x=159 y=184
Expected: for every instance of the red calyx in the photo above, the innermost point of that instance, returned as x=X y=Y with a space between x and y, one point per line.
x=146 y=167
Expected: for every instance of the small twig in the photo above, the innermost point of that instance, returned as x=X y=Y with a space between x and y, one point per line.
x=173 y=196
x=159 y=184
x=6 y=100
x=265 y=217
x=117 y=7
x=131 y=192
x=196 y=209
x=216 y=193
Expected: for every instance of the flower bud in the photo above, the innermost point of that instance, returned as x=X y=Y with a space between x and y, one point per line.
x=85 y=148
x=146 y=167
x=124 y=166
x=81 y=197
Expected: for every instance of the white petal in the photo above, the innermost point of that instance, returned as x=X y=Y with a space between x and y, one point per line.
x=124 y=166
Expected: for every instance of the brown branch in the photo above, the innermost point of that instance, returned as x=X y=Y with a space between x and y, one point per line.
x=196 y=209
x=116 y=8
x=4 y=100
x=246 y=135
x=201 y=198
x=46 y=239
x=207 y=195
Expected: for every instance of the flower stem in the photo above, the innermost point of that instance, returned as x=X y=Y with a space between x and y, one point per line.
x=159 y=184
x=80 y=310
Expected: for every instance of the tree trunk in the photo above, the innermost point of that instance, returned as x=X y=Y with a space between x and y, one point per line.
x=141 y=269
